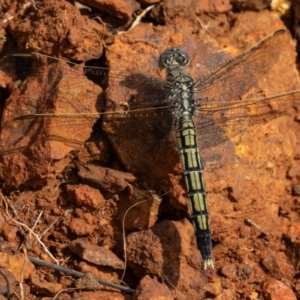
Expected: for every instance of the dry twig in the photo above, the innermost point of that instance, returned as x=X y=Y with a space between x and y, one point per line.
x=29 y=230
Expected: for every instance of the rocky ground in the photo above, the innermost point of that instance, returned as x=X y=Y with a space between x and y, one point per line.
x=67 y=186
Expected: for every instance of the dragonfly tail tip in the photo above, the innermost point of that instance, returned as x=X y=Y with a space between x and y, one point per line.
x=208 y=264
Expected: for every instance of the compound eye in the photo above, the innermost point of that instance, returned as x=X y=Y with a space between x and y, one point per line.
x=172 y=56
x=185 y=60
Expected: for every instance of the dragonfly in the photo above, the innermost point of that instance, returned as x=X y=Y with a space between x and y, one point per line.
x=200 y=116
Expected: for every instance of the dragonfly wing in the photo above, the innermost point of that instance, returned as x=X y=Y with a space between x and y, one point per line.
x=219 y=123
x=47 y=105
x=58 y=93
x=235 y=77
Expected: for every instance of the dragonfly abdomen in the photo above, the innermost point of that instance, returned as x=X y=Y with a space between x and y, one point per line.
x=189 y=153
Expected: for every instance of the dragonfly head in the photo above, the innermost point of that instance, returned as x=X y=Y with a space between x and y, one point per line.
x=174 y=58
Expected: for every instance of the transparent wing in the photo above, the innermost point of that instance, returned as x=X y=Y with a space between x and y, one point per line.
x=53 y=100
x=235 y=77
x=218 y=123
x=46 y=91
x=222 y=112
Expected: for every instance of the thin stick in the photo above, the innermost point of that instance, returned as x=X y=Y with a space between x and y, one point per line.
x=51 y=225
x=138 y=19
x=78 y=274
x=124 y=235
x=123 y=229
x=22 y=276
x=254 y=225
x=35 y=223
x=11 y=207
x=37 y=220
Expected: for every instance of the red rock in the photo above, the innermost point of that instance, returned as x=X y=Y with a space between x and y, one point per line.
x=7 y=282
x=98 y=271
x=85 y=196
x=277 y=290
x=9 y=232
x=227 y=295
x=150 y=289
x=96 y=254
x=214 y=287
x=15 y=265
x=44 y=287
x=65 y=296
x=120 y=9
x=165 y=251
x=296 y=189
x=278 y=264
x=8 y=228
x=229 y=270
x=218 y=6
x=97 y=295
x=82 y=40
x=83 y=225
x=88 y=281
x=294 y=170
x=256 y=5
x=141 y=209
x=293 y=232
x=106 y=179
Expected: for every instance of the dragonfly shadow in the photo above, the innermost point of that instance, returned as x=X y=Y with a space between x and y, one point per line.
x=175 y=240
x=170 y=241
x=150 y=91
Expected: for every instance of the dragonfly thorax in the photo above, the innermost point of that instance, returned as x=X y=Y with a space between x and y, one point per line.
x=184 y=105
